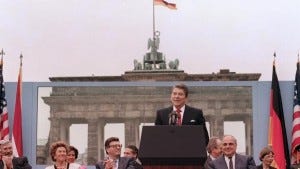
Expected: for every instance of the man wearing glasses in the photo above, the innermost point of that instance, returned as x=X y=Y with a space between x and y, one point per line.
x=230 y=159
x=113 y=160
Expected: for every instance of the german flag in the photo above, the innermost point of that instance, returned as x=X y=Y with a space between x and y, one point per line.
x=277 y=131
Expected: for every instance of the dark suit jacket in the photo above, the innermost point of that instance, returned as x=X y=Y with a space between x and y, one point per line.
x=208 y=160
x=261 y=167
x=191 y=116
x=295 y=166
x=137 y=165
x=241 y=162
x=124 y=163
x=18 y=163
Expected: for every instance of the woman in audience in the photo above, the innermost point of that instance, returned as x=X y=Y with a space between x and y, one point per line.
x=73 y=155
x=58 y=153
x=266 y=156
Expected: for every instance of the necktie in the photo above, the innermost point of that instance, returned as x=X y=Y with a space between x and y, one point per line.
x=230 y=163
x=178 y=117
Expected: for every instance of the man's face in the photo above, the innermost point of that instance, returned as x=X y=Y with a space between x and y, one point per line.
x=178 y=97
x=114 y=149
x=129 y=153
x=6 y=149
x=229 y=146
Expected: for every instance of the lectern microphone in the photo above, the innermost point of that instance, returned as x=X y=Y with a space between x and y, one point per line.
x=173 y=118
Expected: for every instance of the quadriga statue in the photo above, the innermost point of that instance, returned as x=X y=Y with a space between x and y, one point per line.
x=174 y=64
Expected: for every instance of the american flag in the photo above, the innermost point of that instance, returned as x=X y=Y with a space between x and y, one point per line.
x=3 y=105
x=165 y=3
x=296 y=114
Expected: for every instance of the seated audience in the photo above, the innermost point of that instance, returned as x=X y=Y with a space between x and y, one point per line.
x=132 y=151
x=58 y=153
x=266 y=156
x=113 y=160
x=231 y=159
x=8 y=161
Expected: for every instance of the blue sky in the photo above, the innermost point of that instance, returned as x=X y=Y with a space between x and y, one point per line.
x=103 y=37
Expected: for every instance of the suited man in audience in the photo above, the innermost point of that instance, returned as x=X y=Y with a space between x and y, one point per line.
x=186 y=115
x=214 y=149
x=8 y=161
x=132 y=151
x=113 y=159
x=231 y=159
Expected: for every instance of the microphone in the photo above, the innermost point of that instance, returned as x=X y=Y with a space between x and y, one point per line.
x=173 y=118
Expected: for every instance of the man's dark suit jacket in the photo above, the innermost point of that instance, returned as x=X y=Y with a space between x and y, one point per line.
x=124 y=163
x=191 y=116
x=208 y=160
x=137 y=165
x=295 y=166
x=261 y=167
x=241 y=162
x=18 y=163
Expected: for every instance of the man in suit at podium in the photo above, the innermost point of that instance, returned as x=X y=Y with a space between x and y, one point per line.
x=185 y=115
x=230 y=159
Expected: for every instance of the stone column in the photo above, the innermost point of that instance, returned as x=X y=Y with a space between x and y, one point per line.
x=100 y=136
x=217 y=125
x=64 y=130
x=54 y=133
x=93 y=141
x=132 y=131
x=248 y=134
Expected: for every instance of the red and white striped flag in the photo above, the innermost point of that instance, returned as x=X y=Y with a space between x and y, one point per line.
x=296 y=115
x=165 y=3
x=4 y=129
x=17 y=141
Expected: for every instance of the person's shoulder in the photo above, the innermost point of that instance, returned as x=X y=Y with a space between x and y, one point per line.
x=21 y=162
x=74 y=166
x=295 y=166
x=125 y=159
x=218 y=160
x=50 y=167
x=243 y=156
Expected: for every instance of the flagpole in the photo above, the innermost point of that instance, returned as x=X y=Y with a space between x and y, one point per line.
x=153 y=17
x=17 y=139
x=2 y=53
x=274 y=55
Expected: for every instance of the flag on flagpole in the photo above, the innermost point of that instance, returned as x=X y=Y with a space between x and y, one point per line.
x=165 y=3
x=277 y=132
x=4 y=129
x=296 y=115
x=17 y=127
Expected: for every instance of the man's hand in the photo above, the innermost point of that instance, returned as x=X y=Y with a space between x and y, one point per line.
x=8 y=161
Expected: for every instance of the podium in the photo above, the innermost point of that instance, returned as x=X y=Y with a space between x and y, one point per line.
x=173 y=147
